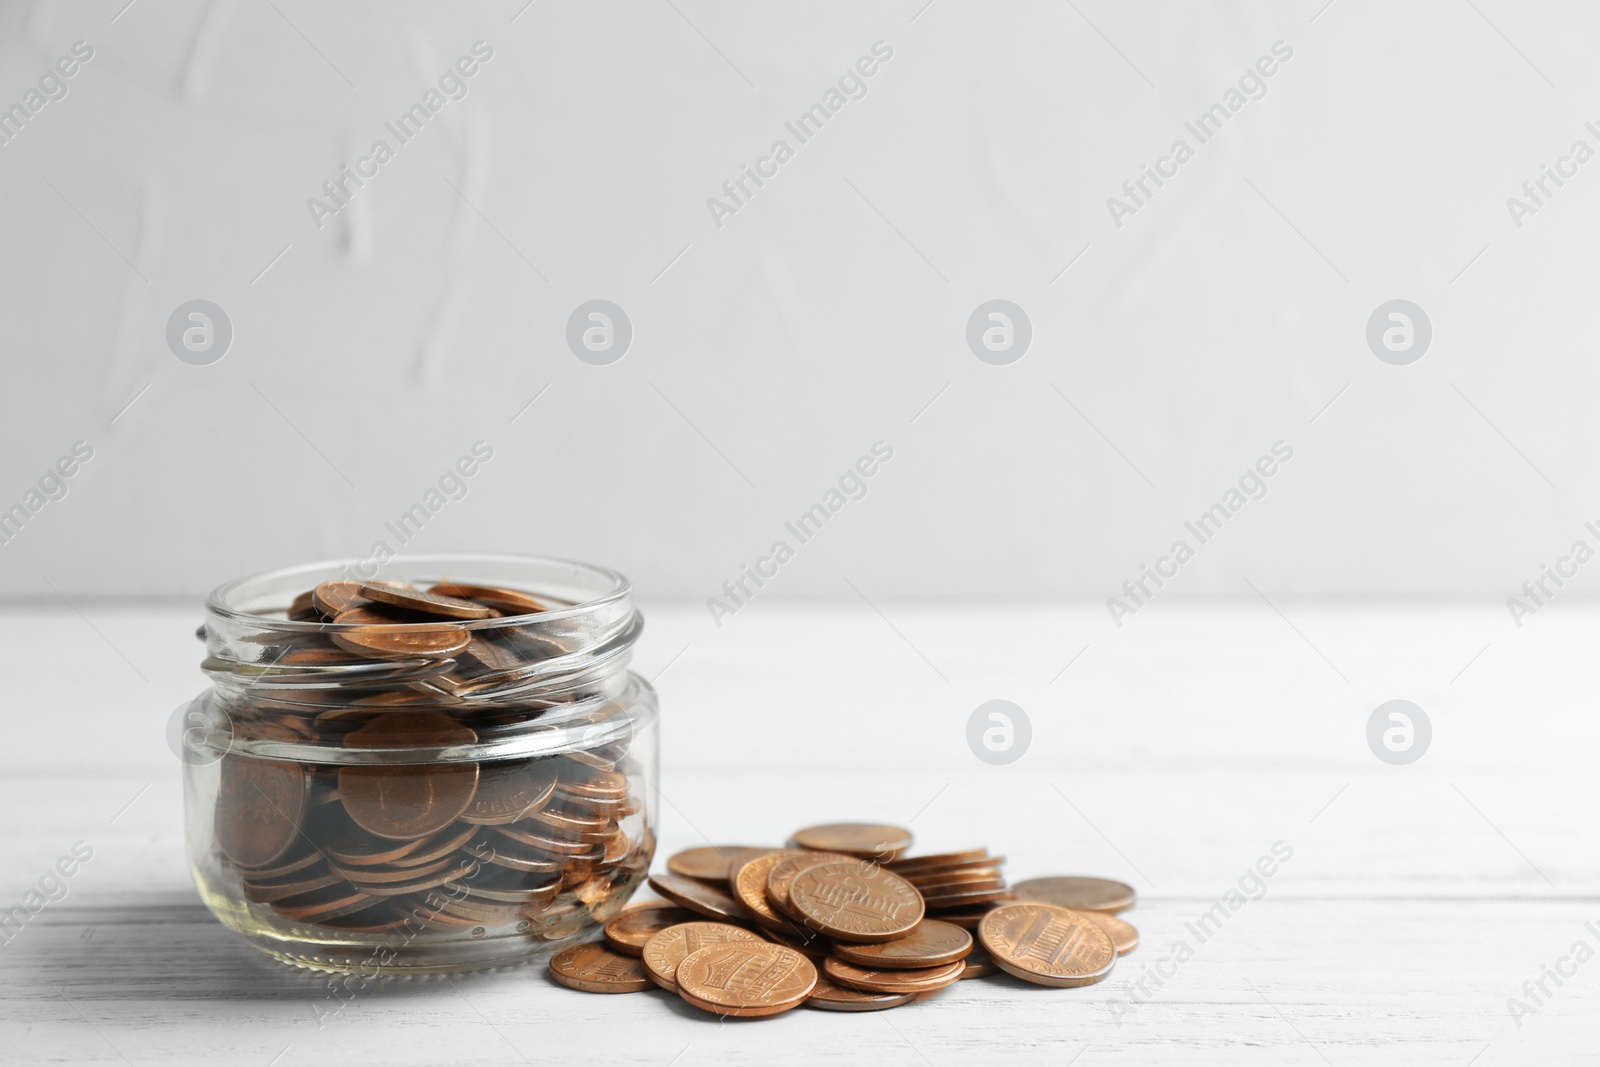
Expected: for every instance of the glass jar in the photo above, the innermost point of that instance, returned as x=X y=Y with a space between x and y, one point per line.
x=407 y=792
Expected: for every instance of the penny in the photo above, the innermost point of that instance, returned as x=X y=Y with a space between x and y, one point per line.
x=830 y=997
x=700 y=897
x=806 y=942
x=979 y=965
x=1082 y=894
x=748 y=883
x=604 y=786
x=968 y=917
x=572 y=827
x=982 y=878
x=594 y=968
x=871 y=980
x=291 y=862
x=931 y=944
x=335 y=598
x=855 y=839
x=979 y=856
x=444 y=843
x=628 y=930
x=945 y=898
x=412 y=599
x=1046 y=944
x=711 y=863
x=782 y=875
x=365 y=876
x=668 y=948
x=385 y=635
x=260 y=806
x=306 y=882
x=405 y=802
x=554 y=846
x=506 y=601
x=1123 y=934
x=508 y=792
x=745 y=978
x=856 y=901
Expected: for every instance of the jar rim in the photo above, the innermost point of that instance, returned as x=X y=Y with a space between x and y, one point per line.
x=613 y=584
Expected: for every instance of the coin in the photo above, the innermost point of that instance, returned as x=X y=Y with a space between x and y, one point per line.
x=506 y=601
x=745 y=978
x=404 y=802
x=782 y=875
x=260 y=806
x=855 y=839
x=508 y=792
x=667 y=948
x=385 y=635
x=336 y=598
x=831 y=997
x=808 y=943
x=910 y=864
x=594 y=968
x=700 y=897
x=1123 y=934
x=412 y=599
x=748 y=883
x=931 y=944
x=856 y=901
x=946 y=898
x=979 y=964
x=711 y=863
x=922 y=980
x=980 y=878
x=1082 y=894
x=1046 y=944
x=628 y=930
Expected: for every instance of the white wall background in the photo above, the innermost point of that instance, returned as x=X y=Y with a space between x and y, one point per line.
x=770 y=353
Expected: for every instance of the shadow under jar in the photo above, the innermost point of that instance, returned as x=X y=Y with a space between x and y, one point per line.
x=381 y=780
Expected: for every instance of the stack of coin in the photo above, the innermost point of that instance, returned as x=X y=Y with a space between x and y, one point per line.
x=842 y=920
x=361 y=844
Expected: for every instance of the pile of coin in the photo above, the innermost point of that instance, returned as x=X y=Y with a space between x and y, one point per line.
x=541 y=845
x=843 y=920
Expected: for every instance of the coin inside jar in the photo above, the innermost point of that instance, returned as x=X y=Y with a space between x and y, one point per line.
x=413 y=599
x=856 y=901
x=261 y=804
x=385 y=635
x=402 y=802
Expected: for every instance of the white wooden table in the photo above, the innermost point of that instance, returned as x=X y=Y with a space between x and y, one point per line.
x=1172 y=754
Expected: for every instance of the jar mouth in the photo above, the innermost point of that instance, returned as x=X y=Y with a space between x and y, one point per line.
x=581 y=588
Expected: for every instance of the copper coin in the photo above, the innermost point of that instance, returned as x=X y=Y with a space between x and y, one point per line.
x=555 y=846
x=979 y=965
x=406 y=802
x=783 y=872
x=628 y=930
x=348 y=845
x=330 y=903
x=979 y=856
x=856 y=901
x=1082 y=894
x=946 y=898
x=700 y=897
x=745 y=978
x=439 y=846
x=335 y=598
x=748 y=883
x=385 y=875
x=668 y=947
x=1123 y=934
x=260 y=806
x=602 y=786
x=1046 y=944
x=508 y=792
x=374 y=633
x=296 y=859
x=515 y=858
x=808 y=943
x=506 y=601
x=594 y=968
x=980 y=878
x=872 y=980
x=712 y=863
x=830 y=997
x=968 y=917
x=570 y=827
x=411 y=599
x=300 y=609
x=295 y=886
x=855 y=839
x=931 y=944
